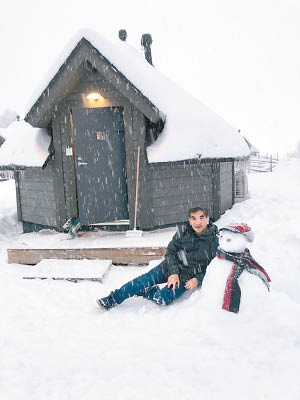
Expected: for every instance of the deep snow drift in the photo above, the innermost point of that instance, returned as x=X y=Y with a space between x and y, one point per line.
x=56 y=344
x=24 y=145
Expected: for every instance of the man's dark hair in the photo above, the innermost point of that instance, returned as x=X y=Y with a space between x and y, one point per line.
x=195 y=209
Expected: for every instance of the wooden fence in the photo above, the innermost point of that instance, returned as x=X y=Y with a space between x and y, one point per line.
x=262 y=163
x=4 y=175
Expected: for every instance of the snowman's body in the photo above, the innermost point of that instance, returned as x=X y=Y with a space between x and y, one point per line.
x=253 y=290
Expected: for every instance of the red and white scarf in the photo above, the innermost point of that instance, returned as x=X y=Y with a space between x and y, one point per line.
x=242 y=261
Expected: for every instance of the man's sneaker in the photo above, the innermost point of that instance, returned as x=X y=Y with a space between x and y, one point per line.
x=106 y=302
x=146 y=291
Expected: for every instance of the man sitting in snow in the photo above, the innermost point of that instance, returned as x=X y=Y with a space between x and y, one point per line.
x=188 y=254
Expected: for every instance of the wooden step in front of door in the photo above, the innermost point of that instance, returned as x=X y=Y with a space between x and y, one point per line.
x=137 y=255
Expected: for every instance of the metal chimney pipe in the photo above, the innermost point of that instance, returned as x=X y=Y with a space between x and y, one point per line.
x=146 y=42
x=123 y=35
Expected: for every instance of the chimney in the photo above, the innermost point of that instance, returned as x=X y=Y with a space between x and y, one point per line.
x=123 y=35
x=146 y=42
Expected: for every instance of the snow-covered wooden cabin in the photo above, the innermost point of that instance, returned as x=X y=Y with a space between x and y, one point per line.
x=99 y=104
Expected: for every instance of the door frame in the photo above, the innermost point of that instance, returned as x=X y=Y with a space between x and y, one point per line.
x=110 y=107
x=74 y=162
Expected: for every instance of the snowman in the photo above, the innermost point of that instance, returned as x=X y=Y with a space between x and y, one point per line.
x=234 y=279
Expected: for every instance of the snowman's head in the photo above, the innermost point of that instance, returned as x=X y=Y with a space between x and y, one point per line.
x=235 y=238
x=232 y=242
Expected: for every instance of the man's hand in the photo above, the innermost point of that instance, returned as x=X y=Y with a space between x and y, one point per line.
x=174 y=281
x=191 y=284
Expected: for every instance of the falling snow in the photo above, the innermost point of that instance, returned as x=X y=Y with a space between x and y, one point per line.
x=56 y=344
x=190 y=128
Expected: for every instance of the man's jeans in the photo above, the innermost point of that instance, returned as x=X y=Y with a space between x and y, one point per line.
x=164 y=296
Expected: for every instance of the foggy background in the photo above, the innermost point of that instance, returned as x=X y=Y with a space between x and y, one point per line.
x=239 y=57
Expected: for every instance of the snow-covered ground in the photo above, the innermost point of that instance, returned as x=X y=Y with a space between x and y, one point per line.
x=56 y=344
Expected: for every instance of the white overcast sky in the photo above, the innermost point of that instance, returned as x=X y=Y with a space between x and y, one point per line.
x=240 y=57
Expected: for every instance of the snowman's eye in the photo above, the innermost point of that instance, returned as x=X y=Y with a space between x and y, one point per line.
x=228 y=240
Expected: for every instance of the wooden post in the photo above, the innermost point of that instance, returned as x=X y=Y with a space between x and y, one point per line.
x=128 y=255
x=271 y=163
x=137 y=185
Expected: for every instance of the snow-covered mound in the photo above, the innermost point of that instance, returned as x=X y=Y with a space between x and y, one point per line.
x=25 y=145
x=296 y=153
x=10 y=228
x=7 y=116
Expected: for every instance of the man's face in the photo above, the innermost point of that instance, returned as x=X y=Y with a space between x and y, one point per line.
x=198 y=222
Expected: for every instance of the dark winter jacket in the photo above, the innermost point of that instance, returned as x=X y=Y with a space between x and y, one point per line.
x=188 y=254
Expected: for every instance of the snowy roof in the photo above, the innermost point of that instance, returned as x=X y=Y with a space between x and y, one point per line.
x=253 y=149
x=191 y=129
x=24 y=146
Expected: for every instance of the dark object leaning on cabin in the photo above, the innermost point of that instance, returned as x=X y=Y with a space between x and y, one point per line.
x=189 y=254
x=51 y=151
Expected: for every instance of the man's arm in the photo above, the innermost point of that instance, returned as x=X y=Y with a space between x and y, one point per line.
x=171 y=256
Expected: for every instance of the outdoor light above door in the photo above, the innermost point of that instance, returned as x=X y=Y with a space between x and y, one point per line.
x=94 y=96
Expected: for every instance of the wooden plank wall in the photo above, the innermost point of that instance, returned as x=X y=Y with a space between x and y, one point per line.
x=177 y=187
x=118 y=255
x=226 y=192
x=36 y=196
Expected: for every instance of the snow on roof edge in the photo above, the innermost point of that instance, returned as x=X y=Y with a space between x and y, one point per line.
x=205 y=132
x=25 y=146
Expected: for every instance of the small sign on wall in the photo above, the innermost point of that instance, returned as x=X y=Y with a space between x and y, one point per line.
x=69 y=151
x=100 y=135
